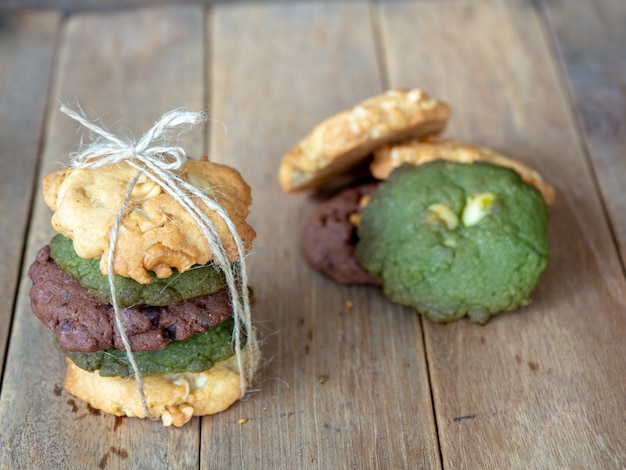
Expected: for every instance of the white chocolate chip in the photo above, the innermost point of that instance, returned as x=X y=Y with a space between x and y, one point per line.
x=183 y=382
x=388 y=105
x=200 y=380
x=145 y=191
x=354 y=127
x=428 y=104
x=450 y=242
x=476 y=208
x=444 y=214
x=415 y=95
x=359 y=112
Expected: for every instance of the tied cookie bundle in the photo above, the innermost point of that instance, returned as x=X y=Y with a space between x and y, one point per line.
x=448 y=228
x=145 y=286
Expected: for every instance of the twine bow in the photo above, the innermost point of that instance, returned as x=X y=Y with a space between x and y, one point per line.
x=151 y=156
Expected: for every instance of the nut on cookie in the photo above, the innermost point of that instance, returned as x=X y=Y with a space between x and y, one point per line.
x=419 y=151
x=156 y=233
x=345 y=139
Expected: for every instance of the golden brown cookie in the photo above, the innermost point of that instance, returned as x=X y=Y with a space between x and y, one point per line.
x=156 y=233
x=345 y=139
x=174 y=398
x=418 y=151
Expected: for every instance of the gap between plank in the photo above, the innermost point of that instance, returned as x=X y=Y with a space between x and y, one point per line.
x=376 y=25
x=430 y=388
x=377 y=32
x=34 y=184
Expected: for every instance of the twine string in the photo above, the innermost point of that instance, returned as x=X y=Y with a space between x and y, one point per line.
x=241 y=303
x=158 y=162
x=116 y=308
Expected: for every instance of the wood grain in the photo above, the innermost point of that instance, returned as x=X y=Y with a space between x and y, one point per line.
x=590 y=38
x=26 y=54
x=134 y=66
x=347 y=376
x=341 y=388
x=541 y=387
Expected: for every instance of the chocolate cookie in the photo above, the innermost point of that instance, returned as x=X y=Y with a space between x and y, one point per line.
x=329 y=237
x=82 y=323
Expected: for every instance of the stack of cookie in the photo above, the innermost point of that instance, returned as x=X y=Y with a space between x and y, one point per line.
x=448 y=228
x=176 y=310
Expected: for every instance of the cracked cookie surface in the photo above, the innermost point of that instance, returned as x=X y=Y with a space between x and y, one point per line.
x=156 y=233
x=345 y=139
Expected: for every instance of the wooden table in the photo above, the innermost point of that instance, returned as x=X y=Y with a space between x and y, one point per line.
x=375 y=385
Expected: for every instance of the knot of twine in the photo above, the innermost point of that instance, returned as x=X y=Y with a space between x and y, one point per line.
x=151 y=156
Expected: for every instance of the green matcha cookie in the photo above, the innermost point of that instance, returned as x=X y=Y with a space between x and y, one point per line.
x=454 y=239
x=197 y=281
x=195 y=354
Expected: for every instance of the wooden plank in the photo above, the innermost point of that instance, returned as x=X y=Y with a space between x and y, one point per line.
x=132 y=66
x=542 y=387
x=26 y=52
x=91 y=5
x=341 y=388
x=590 y=38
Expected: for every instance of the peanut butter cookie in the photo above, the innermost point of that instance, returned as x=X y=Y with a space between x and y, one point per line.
x=417 y=152
x=156 y=233
x=342 y=141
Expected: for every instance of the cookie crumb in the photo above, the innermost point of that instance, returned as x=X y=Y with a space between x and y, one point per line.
x=322 y=379
x=349 y=304
x=242 y=421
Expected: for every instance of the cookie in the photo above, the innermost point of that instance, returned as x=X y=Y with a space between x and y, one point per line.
x=200 y=280
x=453 y=239
x=156 y=233
x=344 y=140
x=56 y=297
x=174 y=398
x=416 y=152
x=329 y=237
